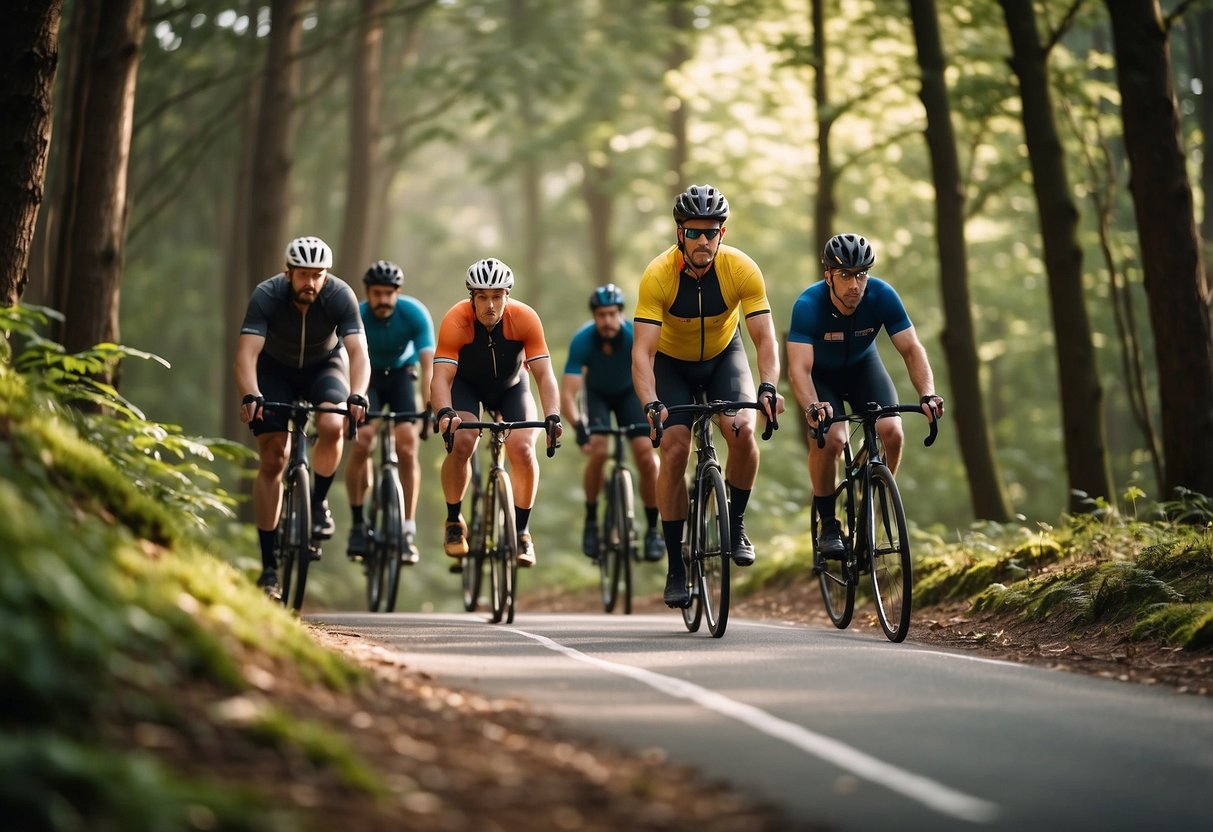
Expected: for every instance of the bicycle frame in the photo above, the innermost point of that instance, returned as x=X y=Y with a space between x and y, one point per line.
x=386 y=543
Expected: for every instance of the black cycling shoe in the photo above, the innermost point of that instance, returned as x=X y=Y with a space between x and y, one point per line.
x=830 y=543
x=268 y=583
x=676 y=595
x=322 y=522
x=357 y=546
x=589 y=539
x=743 y=549
x=654 y=545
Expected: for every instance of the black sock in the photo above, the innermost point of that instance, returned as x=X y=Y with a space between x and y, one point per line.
x=320 y=490
x=650 y=514
x=452 y=512
x=738 y=497
x=825 y=507
x=591 y=511
x=672 y=530
x=522 y=516
x=266 y=539
x=356 y=514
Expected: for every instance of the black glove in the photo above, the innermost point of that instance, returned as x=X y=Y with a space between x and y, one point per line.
x=583 y=433
x=258 y=401
x=767 y=389
x=357 y=400
x=653 y=409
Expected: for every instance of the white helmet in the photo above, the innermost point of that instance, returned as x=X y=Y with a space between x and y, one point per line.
x=490 y=274
x=309 y=253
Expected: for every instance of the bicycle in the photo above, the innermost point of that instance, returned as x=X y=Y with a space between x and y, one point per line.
x=294 y=548
x=472 y=566
x=707 y=545
x=617 y=543
x=874 y=536
x=385 y=526
x=498 y=539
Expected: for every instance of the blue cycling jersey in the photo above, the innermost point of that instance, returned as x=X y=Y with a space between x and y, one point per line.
x=840 y=340
x=604 y=373
x=398 y=339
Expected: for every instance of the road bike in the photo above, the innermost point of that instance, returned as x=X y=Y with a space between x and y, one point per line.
x=294 y=548
x=472 y=566
x=385 y=526
x=874 y=536
x=707 y=545
x=498 y=538
x=617 y=544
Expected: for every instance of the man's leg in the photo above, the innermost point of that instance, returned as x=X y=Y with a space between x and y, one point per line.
x=410 y=478
x=648 y=467
x=456 y=473
x=591 y=481
x=741 y=471
x=326 y=456
x=823 y=470
x=524 y=476
x=357 y=483
x=672 y=502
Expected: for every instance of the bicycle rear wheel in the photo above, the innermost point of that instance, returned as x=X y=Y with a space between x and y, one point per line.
x=892 y=575
x=390 y=533
x=693 y=614
x=373 y=559
x=627 y=538
x=711 y=547
x=503 y=566
x=608 y=552
x=473 y=564
x=835 y=578
x=296 y=528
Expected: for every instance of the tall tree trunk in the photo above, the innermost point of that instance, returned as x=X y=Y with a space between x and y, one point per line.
x=600 y=204
x=94 y=259
x=985 y=484
x=29 y=53
x=1204 y=67
x=235 y=260
x=274 y=145
x=677 y=55
x=1082 y=416
x=1174 y=274
x=356 y=249
x=521 y=15
x=824 y=207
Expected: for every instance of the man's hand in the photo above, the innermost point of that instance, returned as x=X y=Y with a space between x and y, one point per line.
x=932 y=405
x=583 y=433
x=771 y=402
x=357 y=405
x=252 y=407
x=817 y=411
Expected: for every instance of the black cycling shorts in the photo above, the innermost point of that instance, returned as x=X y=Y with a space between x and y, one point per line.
x=865 y=381
x=325 y=382
x=625 y=406
x=394 y=390
x=726 y=377
x=515 y=404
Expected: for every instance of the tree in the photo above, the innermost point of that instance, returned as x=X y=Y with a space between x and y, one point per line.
x=985 y=485
x=1174 y=274
x=29 y=53
x=1078 y=377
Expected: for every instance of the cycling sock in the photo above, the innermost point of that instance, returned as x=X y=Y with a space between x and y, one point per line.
x=266 y=539
x=356 y=514
x=591 y=511
x=738 y=497
x=452 y=512
x=650 y=514
x=672 y=531
x=522 y=516
x=825 y=506
x=410 y=525
x=320 y=490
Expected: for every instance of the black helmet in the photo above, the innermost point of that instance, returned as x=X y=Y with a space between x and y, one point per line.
x=701 y=202
x=608 y=295
x=848 y=251
x=383 y=273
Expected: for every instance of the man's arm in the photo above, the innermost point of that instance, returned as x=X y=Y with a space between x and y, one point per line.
x=800 y=374
x=549 y=391
x=917 y=365
x=427 y=374
x=248 y=348
x=570 y=391
x=644 y=349
x=762 y=332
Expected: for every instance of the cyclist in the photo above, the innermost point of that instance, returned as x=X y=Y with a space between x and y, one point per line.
x=832 y=358
x=399 y=335
x=602 y=350
x=688 y=339
x=485 y=344
x=302 y=338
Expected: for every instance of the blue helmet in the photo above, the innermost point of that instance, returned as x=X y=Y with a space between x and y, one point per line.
x=608 y=295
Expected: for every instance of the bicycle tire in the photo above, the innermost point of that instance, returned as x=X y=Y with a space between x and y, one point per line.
x=391 y=536
x=504 y=566
x=835 y=581
x=298 y=506
x=373 y=559
x=711 y=550
x=892 y=574
x=692 y=614
x=473 y=565
x=608 y=552
x=627 y=540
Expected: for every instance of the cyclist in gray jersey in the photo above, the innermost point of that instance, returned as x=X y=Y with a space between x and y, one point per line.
x=302 y=338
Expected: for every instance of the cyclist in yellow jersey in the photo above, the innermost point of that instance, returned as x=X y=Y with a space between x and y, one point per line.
x=687 y=341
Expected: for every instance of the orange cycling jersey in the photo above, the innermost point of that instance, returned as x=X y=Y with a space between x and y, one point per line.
x=490 y=360
x=699 y=316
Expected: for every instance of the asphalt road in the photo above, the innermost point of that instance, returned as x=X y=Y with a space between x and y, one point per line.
x=841 y=728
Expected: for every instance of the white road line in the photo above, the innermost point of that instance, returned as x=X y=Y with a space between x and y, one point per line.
x=920 y=789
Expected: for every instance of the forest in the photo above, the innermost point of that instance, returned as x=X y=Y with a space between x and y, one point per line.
x=1031 y=175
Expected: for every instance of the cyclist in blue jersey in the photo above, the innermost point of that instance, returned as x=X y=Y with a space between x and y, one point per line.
x=600 y=362
x=301 y=339
x=400 y=336
x=832 y=358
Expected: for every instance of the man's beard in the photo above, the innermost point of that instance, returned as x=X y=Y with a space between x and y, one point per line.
x=306 y=301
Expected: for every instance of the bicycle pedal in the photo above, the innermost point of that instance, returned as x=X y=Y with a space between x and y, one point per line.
x=456 y=569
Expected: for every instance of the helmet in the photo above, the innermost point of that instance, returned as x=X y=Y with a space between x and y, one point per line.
x=701 y=202
x=848 y=251
x=383 y=273
x=309 y=253
x=608 y=295
x=490 y=273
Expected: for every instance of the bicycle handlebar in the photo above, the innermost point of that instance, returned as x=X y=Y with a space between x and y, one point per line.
x=403 y=416
x=712 y=408
x=448 y=435
x=618 y=430
x=307 y=407
x=874 y=412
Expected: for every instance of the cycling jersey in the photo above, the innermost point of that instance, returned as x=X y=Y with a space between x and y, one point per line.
x=491 y=361
x=843 y=340
x=604 y=373
x=400 y=338
x=301 y=339
x=698 y=317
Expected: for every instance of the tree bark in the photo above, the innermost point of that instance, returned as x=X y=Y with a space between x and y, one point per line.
x=530 y=167
x=824 y=205
x=29 y=54
x=600 y=205
x=1083 y=433
x=960 y=348
x=1174 y=275
x=98 y=223
x=678 y=54
x=1204 y=65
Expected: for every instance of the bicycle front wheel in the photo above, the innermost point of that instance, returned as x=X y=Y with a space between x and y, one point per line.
x=503 y=565
x=391 y=535
x=892 y=574
x=473 y=564
x=608 y=552
x=627 y=538
x=373 y=559
x=711 y=550
x=296 y=528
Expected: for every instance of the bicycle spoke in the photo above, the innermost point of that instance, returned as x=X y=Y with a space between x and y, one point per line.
x=891 y=570
x=713 y=525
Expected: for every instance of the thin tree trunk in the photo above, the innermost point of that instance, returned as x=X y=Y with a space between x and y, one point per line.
x=29 y=53
x=1174 y=274
x=677 y=55
x=600 y=205
x=1083 y=434
x=1204 y=39
x=960 y=348
x=531 y=170
x=824 y=206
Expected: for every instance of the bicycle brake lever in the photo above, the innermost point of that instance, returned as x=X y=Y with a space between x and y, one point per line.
x=930 y=440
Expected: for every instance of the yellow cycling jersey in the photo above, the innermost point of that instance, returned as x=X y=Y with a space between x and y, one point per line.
x=698 y=317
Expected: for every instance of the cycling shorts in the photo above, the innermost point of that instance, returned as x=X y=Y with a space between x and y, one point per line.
x=625 y=406
x=515 y=404
x=726 y=377
x=325 y=382
x=867 y=380
x=394 y=389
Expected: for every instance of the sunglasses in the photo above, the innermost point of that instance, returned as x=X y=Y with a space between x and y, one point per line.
x=696 y=233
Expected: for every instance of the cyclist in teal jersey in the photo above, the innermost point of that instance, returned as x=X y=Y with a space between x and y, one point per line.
x=600 y=355
x=400 y=336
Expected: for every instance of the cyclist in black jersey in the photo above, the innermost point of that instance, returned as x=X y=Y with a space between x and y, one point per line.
x=302 y=338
